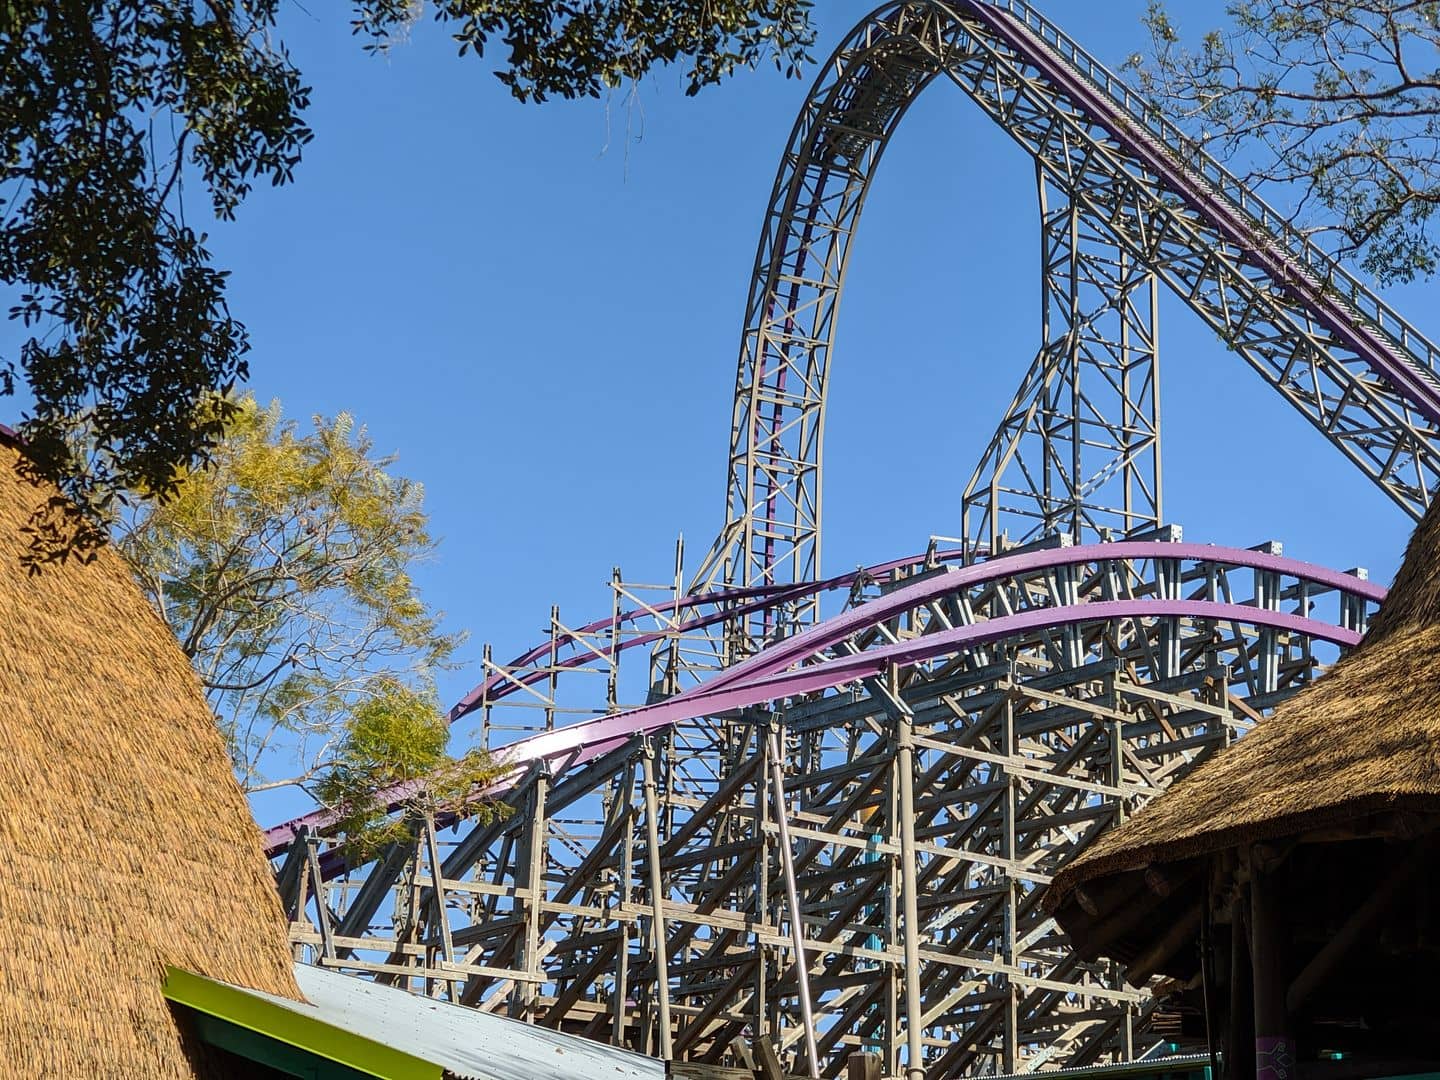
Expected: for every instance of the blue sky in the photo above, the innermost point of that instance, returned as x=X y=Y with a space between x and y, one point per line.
x=538 y=309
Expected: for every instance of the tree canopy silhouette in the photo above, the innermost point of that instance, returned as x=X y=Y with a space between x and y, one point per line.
x=108 y=108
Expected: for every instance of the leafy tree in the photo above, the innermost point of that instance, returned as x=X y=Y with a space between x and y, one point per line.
x=394 y=751
x=1336 y=102
x=109 y=107
x=284 y=570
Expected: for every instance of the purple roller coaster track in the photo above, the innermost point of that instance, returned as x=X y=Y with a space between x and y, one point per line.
x=819 y=815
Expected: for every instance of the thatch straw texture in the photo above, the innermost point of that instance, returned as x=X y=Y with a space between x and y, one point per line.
x=1364 y=738
x=125 y=843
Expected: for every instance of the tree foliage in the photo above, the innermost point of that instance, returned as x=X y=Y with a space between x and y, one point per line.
x=1335 y=102
x=579 y=48
x=284 y=570
x=393 y=769
x=109 y=107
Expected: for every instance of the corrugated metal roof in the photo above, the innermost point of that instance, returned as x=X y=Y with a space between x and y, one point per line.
x=1139 y=1067
x=466 y=1043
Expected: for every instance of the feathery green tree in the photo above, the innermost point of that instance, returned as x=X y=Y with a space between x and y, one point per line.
x=392 y=770
x=285 y=571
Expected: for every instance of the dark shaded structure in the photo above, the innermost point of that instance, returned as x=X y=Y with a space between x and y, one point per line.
x=1290 y=883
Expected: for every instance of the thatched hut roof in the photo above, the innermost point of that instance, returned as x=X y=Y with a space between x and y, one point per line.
x=125 y=843
x=1363 y=739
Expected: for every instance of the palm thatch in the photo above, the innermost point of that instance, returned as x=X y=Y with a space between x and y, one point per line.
x=1363 y=739
x=125 y=843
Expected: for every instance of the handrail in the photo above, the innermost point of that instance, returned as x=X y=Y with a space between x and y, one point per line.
x=1304 y=249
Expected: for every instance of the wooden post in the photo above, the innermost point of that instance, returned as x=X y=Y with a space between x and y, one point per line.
x=1239 y=1062
x=792 y=899
x=760 y=1006
x=767 y=1062
x=317 y=889
x=442 y=916
x=741 y=1049
x=1274 y=1048
x=862 y=1065
x=657 y=899
x=485 y=709
x=909 y=859
x=622 y=927
x=892 y=926
x=532 y=867
x=1010 y=852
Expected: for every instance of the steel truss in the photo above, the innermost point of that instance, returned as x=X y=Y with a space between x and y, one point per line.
x=1078 y=451
x=944 y=747
x=1356 y=370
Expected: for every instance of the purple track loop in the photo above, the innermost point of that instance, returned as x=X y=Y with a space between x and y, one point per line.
x=1276 y=261
x=1284 y=270
x=764 y=677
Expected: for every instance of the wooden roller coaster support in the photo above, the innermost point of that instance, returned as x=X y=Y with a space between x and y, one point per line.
x=905 y=767
x=927 y=798
x=792 y=899
x=523 y=1004
x=657 y=898
x=625 y=813
x=1010 y=852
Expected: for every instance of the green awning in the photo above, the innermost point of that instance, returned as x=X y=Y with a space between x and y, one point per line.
x=260 y=1028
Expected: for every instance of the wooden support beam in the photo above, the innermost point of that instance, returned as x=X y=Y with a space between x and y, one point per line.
x=741 y=1049
x=766 y=1060
x=792 y=898
x=1269 y=953
x=1163 y=948
x=910 y=927
x=657 y=899
x=441 y=914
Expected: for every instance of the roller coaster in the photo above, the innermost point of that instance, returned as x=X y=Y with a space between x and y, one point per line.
x=818 y=812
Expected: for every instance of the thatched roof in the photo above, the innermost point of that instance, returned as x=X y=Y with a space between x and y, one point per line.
x=125 y=843
x=1363 y=739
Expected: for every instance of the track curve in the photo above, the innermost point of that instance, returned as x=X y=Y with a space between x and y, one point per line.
x=778 y=673
x=1081 y=680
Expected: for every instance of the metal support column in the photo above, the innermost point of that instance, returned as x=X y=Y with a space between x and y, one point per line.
x=1078 y=451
